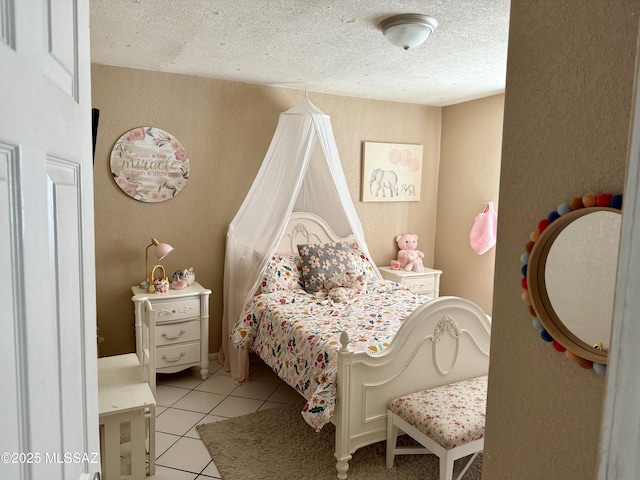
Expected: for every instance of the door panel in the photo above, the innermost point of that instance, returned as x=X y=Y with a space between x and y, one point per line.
x=12 y=415
x=60 y=25
x=49 y=414
x=65 y=213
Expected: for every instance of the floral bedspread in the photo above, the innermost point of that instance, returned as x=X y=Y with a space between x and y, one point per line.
x=298 y=336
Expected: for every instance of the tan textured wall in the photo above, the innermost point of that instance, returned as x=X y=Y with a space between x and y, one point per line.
x=469 y=178
x=226 y=128
x=570 y=76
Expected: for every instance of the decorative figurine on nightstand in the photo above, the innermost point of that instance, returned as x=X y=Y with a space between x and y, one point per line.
x=189 y=275
x=178 y=282
x=409 y=256
x=183 y=278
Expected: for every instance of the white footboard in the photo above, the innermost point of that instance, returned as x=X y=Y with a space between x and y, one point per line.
x=443 y=341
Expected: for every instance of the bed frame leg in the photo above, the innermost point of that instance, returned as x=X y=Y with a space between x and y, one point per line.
x=342 y=466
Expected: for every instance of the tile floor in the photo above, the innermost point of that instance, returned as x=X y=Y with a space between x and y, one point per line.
x=184 y=400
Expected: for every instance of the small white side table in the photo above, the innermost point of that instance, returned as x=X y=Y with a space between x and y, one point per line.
x=427 y=282
x=181 y=327
x=125 y=402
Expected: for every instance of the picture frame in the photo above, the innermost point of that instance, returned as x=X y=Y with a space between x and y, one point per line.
x=391 y=172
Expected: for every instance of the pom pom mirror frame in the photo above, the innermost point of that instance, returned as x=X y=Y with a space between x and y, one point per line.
x=534 y=285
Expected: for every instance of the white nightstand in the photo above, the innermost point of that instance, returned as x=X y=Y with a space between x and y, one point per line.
x=181 y=328
x=427 y=282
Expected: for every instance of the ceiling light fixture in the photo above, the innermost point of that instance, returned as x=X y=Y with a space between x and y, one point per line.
x=408 y=30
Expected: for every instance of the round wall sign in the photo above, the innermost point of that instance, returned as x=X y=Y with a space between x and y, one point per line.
x=149 y=164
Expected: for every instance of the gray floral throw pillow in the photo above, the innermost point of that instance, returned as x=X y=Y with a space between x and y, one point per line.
x=321 y=261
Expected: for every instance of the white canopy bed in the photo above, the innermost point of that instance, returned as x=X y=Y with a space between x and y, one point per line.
x=442 y=341
x=300 y=172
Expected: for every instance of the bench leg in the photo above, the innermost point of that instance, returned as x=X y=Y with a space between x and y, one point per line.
x=466 y=467
x=392 y=439
x=446 y=467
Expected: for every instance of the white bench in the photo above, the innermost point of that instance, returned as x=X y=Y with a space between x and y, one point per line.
x=127 y=410
x=447 y=421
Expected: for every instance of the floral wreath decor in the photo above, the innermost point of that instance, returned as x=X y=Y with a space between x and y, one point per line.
x=149 y=164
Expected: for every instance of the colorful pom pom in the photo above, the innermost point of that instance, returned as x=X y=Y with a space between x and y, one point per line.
x=534 y=235
x=604 y=200
x=558 y=347
x=553 y=216
x=542 y=224
x=536 y=324
x=523 y=270
x=616 y=201
x=524 y=258
x=532 y=312
x=525 y=296
x=545 y=336
x=529 y=246
x=523 y=282
x=576 y=203
x=600 y=368
x=584 y=363
x=589 y=200
x=570 y=355
x=563 y=208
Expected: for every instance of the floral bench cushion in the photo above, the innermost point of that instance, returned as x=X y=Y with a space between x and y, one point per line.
x=451 y=415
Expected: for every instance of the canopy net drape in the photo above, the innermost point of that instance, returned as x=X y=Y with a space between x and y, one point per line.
x=301 y=172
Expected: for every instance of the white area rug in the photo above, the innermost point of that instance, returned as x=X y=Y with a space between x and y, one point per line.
x=277 y=443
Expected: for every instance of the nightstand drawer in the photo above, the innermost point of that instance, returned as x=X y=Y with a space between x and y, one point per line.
x=177 y=354
x=177 y=309
x=178 y=332
x=420 y=284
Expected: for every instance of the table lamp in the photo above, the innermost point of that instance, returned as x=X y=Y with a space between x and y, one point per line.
x=160 y=251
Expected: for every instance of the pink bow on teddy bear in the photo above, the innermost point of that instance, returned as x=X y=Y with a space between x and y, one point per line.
x=409 y=256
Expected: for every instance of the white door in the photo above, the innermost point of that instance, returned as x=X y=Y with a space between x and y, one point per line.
x=48 y=406
x=620 y=442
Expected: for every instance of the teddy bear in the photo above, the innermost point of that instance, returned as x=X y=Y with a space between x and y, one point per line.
x=409 y=256
x=343 y=286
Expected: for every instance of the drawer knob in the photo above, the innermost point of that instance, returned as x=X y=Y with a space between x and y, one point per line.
x=173 y=337
x=173 y=359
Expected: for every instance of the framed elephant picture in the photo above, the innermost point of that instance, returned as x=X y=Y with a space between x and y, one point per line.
x=391 y=172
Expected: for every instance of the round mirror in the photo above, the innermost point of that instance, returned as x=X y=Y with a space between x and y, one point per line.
x=580 y=275
x=570 y=275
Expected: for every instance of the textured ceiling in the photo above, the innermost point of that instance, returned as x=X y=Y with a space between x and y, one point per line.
x=328 y=46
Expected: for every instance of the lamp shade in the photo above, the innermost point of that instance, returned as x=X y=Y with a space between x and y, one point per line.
x=162 y=250
x=408 y=30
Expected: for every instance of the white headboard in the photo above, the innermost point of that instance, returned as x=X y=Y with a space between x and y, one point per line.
x=304 y=227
